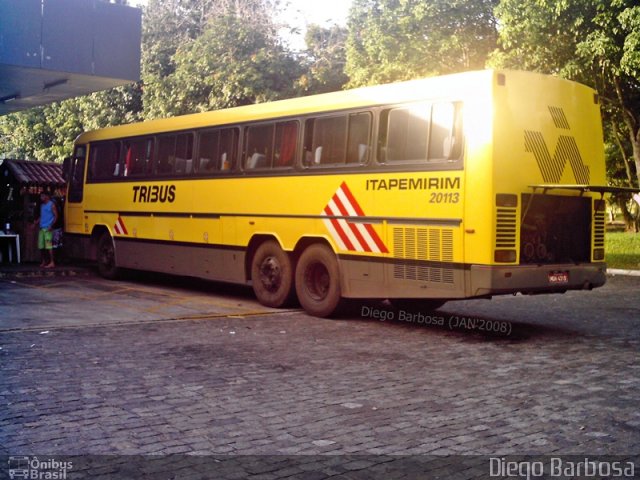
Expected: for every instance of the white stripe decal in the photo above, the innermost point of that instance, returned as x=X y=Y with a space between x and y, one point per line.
x=359 y=235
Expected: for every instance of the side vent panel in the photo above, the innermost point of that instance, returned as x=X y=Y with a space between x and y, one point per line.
x=506 y=226
x=424 y=254
x=598 y=229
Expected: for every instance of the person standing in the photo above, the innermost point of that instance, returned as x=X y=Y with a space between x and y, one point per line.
x=48 y=217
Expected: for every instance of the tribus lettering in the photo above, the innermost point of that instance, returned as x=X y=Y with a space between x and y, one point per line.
x=154 y=193
x=425 y=183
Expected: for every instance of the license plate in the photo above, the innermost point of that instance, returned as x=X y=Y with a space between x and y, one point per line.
x=558 y=278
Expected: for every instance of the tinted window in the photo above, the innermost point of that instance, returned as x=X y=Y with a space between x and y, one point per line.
x=217 y=150
x=76 y=175
x=271 y=145
x=105 y=161
x=445 y=141
x=259 y=146
x=337 y=140
x=359 y=136
x=175 y=154
x=285 y=144
x=137 y=157
x=421 y=132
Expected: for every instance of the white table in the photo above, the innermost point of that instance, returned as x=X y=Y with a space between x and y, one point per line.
x=13 y=239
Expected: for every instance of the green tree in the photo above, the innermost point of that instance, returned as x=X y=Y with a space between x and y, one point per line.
x=391 y=40
x=177 y=32
x=232 y=63
x=591 y=41
x=325 y=58
x=597 y=43
x=25 y=135
x=47 y=133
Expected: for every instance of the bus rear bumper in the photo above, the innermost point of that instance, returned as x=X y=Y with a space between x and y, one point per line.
x=533 y=279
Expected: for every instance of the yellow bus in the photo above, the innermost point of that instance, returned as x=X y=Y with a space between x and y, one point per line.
x=461 y=186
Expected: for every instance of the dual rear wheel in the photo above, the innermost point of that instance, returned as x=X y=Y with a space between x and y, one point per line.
x=316 y=280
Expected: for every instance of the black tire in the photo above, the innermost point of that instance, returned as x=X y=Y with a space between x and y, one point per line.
x=106 y=257
x=318 y=281
x=415 y=304
x=272 y=275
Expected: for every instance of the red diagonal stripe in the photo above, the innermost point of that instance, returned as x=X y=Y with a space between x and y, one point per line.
x=376 y=238
x=338 y=228
x=359 y=211
x=122 y=226
x=352 y=200
x=352 y=227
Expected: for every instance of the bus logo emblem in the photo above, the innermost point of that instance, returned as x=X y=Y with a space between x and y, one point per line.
x=552 y=167
x=344 y=221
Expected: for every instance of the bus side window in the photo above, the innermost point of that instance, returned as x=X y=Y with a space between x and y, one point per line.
x=104 y=163
x=166 y=155
x=445 y=140
x=259 y=146
x=184 y=154
x=228 y=147
x=137 y=160
x=325 y=141
x=404 y=134
x=442 y=138
x=285 y=144
x=359 y=137
x=216 y=150
x=207 y=151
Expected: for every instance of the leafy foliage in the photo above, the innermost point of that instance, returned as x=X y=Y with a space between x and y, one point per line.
x=595 y=42
x=229 y=64
x=326 y=58
x=391 y=40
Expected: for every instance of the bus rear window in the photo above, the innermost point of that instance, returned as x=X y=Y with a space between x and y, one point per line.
x=421 y=132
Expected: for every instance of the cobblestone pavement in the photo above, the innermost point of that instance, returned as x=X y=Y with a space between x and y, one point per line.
x=145 y=367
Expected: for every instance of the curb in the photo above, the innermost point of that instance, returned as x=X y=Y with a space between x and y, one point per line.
x=617 y=271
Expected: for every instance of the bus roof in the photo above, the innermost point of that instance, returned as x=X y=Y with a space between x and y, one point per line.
x=453 y=87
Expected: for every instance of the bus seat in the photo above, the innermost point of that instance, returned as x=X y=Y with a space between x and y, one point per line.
x=257 y=160
x=188 y=165
x=447 y=146
x=363 y=152
x=318 y=155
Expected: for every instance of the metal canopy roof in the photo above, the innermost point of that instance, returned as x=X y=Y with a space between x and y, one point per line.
x=51 y=50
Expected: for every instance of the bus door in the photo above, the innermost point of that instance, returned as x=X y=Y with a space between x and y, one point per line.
x=74 y=218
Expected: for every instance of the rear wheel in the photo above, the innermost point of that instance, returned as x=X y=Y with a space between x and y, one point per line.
x=318 y=281
x=272 y=275
x=106 y=257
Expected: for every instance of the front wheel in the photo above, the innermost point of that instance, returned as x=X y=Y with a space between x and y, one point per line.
x=106 y=257
x=272 y=275
x=318 y=281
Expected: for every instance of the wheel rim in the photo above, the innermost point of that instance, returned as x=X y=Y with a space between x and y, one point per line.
x=317 y=281
x=271 y=274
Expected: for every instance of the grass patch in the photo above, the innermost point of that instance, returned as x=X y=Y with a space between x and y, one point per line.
x=622 y=250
